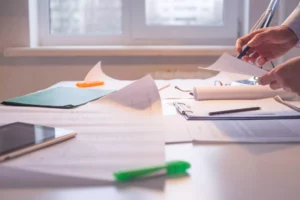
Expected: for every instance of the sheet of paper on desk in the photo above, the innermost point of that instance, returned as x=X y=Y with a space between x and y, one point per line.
x=255 y=131
x=139 y=96
x=97 y=74
x=108 y=139
x=228 y=63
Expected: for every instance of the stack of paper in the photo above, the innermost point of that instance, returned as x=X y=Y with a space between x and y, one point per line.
x=274 y=122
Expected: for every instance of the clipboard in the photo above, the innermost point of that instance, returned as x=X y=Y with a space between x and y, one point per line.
x=187 y=111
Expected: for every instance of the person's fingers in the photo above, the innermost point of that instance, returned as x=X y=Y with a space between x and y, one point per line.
x=261 y=61
x=253 y=57
x=274 y=85
x=249 y=52
x=267 y=79
x=260 y=38
x=239 y=45
x=287 y=89
x=245 y=39
x=246 y=58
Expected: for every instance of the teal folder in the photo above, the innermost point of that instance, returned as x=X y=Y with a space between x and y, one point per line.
x=58 y=97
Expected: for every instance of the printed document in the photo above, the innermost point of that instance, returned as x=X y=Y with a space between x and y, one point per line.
x=254 y=131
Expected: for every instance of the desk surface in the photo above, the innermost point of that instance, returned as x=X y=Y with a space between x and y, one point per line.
x=219 y=172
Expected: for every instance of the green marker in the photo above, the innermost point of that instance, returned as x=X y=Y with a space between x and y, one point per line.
x=172 y=168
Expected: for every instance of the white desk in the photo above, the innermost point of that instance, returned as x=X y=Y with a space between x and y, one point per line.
x=219 y=172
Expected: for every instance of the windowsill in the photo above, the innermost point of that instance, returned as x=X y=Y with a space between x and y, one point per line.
x=62 y=51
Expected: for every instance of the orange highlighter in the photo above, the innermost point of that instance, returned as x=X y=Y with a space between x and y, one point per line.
x=89 y=84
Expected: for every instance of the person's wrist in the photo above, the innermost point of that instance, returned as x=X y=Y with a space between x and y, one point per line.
x=290 y=33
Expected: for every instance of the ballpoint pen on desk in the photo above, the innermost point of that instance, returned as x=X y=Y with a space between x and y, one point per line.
x=172 y=168
x=233 y=111
x=164 y=87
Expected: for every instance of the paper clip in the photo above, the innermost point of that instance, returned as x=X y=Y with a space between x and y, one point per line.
x=182 y=108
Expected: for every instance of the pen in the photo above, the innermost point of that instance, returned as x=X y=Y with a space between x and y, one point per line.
x=243 y=53
x=233 y=111
x=172 y=168
x=89 y=84
x=164 y=87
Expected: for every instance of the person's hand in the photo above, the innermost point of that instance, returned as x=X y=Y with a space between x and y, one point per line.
x=267 y=44
x=286 y=76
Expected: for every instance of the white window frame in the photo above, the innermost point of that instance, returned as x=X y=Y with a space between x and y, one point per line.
x=46 y=39
x=135 y=32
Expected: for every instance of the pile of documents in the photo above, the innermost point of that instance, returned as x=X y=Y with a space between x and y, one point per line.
x=209 y=118
x=120 y=131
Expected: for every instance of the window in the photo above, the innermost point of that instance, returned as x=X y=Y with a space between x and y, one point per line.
x=137 y=22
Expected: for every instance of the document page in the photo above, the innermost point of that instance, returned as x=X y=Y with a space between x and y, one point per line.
x=97 y=74
x=231 y=64
x=141 y=97
x=256 y=131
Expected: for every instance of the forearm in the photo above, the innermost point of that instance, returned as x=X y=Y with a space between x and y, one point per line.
x=293 y=22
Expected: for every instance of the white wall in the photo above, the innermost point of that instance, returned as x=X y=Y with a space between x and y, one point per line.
x=290 y=5
x=23 y=75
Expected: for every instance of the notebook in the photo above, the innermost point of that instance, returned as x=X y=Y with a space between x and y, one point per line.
x=58 y=97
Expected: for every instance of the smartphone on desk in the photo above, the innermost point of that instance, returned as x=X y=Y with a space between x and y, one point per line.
x=19 y=138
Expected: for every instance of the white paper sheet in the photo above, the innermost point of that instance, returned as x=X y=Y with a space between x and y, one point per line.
x=239 y=93
x=108 y=139
x=97 y=74
x=254 y=131
x=140 y=96
x=228 y=63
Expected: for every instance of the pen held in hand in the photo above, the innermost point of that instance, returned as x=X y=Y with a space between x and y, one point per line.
x=244 y=52
x=233 y=111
